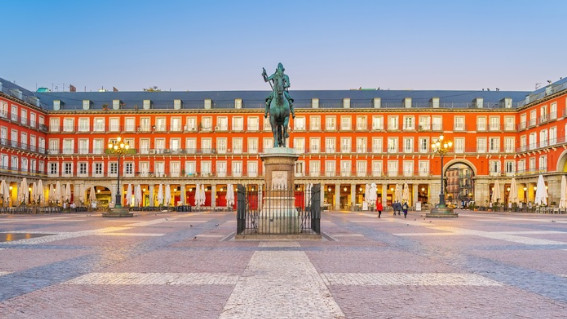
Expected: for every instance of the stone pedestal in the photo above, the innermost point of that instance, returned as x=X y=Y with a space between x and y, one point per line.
x=278 y=214
x=118 y=212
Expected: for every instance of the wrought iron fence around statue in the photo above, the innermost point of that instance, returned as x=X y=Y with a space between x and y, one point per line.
x=279 y=211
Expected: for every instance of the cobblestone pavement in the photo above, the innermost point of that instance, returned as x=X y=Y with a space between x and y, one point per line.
x=188 y=265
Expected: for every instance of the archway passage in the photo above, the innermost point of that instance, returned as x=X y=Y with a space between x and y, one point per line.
x=460 y=184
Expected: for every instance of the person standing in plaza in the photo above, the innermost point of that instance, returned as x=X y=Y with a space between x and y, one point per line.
x=405 y=208
x=379 y=207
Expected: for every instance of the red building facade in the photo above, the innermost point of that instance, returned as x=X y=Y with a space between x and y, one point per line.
x=346 y=139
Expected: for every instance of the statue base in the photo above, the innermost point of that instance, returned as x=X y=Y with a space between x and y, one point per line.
x=279 y=216
x=442 y=212
x=118 y=212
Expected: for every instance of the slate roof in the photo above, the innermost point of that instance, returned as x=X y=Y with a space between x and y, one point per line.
x=328 y=99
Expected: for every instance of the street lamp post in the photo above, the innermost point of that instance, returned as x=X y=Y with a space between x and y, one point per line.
x=441 y=148
x=118 y=147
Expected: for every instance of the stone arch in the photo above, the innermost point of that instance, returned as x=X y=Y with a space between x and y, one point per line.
x=460 y=161
x=562 y=162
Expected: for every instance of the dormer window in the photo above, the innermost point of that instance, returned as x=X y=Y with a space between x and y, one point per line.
x=237 y=103
x=377 y=102
x=147 y=104
x=177 y=104
x=208 y=104
x=346 y=103
x=315 y=103
x=116 y=104
x=86 y=104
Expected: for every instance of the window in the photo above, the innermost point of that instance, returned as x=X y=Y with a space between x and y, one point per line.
x=509 y=144
x=533 y=141
x=523 y=143
x=299 y=123
x=346 y=145
x=459 y=145
x=423 y=168
x=113 y=168
x=392 y=168
x=237 y=145
x=252 y=168
x=459 y=123
x=361 y=144
x=161 y=124
x=408 y=168
x=553 y=111
x=159 y=145
x=24 y=117
x=190 y=168
x=509 y=123
x=53 y=124
x=159 y=169
x=222 y=145
x=330 y=145
x=221 y=168
x=174 y=145
x=522 y=166
x=409 y=123
x=481 y=145
x=314 y=168
x=191 y=125
x=408 y=144
x=3 y=109
x=424 y=123
x=68 y=146
x=543 y=138
x=377 y=122
x=98 y=169
x=254 y=124
x=268 y=143
x=361 y=123
x=392 y=144
x=543 y=163
x=346 y=123
x=53 y=168
x=174 y=168
x=361 y=168
x=315 y=123
x=494 y=144
x=24 y=166
x=14 y=114
x=32 y=120
x=68 y=125
x=552 y=135
x=206 y=145
x=190 y=145
x=532 y=163
x=423 y=144
x=377 y=145
x=494 y=167
x=509 y=167
x=99 y=125
x=114 y=124
x=175 y=124
x=222 y=124
x=523 y=121
x=377 y=168
x=98 y=146
x=481 y=123
x=392 y=122
x=130 y=124
x=84 y=124
x=330 y=123
x=237 y=124
x=330 y=168
x=437 y=123
x=314 y=145
x=53 y=146
x=543 y=114
x=253 y=145
x=533 y=117
x=346 y=168
x=83 y=169
x=236 y=168
x=494 y=123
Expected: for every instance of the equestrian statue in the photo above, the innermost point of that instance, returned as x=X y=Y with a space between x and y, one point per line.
x=279 y=104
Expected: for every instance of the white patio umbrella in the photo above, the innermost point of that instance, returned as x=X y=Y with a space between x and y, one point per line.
x=152 y=199
x=563 y=200
x=398 y=193
x=405 y=194
x=138 y=195
x=167 y=196
x=541 y=192
x=513 y=196
x=40 y=194
x=33 y=192
x=496 y=193
x=23 y=191
x=51 y=193
x=203 y=196
x=5 y=192
x=372 y=196
x=183 y=195
x=68 y=192
x=366 y=192
x=92 y=195
x=160 y=195
x=129 y=198
x=229 y=195
x=198 y=195
x=62 y=193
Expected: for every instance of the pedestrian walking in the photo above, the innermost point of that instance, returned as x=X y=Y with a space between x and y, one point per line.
x=379 y=207
x=405 y=208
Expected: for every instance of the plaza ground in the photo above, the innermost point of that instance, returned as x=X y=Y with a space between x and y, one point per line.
x=188 y=265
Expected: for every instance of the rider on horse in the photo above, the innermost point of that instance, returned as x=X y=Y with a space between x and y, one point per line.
x=279 y=73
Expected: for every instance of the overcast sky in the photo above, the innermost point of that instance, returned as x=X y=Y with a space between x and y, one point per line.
x=223 y=45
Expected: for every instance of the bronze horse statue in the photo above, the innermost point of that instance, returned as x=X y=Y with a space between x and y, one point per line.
x=278 y=106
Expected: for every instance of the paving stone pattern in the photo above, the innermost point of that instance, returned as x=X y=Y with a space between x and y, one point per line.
x=188 y=265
